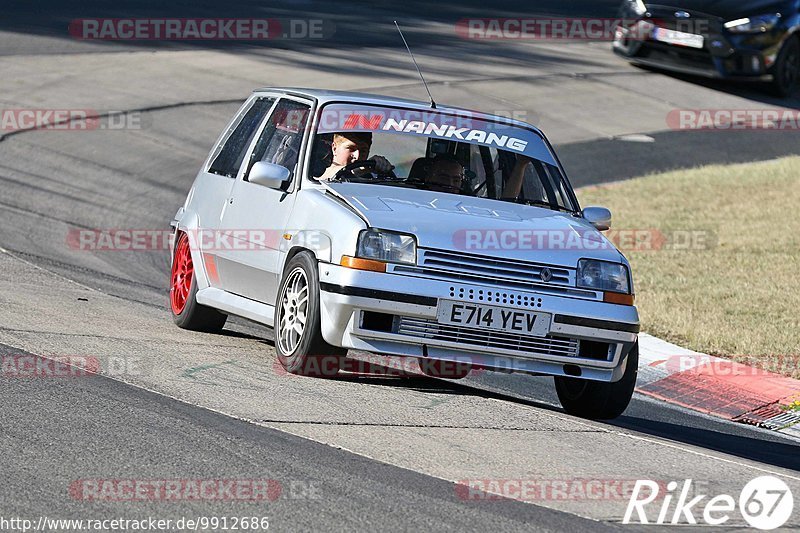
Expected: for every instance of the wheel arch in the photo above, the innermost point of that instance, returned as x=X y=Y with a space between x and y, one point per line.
x=791 y=33
x=321 y=254
x=189 y=223
x=293 y=252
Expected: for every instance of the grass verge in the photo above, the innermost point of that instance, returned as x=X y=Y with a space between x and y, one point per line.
x=722 y=272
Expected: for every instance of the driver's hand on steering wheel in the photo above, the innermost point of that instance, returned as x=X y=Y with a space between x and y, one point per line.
x=382 y=165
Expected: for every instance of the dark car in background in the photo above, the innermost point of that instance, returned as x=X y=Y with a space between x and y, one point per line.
x=757 y=40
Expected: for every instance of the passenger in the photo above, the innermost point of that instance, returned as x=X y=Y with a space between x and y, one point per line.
x=514 y=184
x=446 y=175
x=349 y=147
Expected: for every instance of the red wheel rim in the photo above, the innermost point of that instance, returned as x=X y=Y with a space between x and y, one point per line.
x=182 y=270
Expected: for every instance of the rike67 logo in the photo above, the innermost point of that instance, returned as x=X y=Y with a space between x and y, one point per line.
x=765 y=503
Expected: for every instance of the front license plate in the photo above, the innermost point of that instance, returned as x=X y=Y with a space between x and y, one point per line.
x=678 y=38
x=492 y=317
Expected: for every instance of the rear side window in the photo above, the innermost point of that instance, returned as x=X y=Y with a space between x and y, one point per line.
x=230 y=158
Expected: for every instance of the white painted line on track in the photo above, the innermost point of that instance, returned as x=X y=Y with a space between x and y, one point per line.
x=37 y=267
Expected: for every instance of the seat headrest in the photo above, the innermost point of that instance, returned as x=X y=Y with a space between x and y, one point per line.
x=420 y=169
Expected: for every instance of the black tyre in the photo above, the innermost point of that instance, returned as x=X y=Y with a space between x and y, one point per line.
x=598 y=400
x=298 y=337
x=786 y=71
x=186 y=312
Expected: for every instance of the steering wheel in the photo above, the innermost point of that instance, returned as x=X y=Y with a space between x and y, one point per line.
x=346 y=173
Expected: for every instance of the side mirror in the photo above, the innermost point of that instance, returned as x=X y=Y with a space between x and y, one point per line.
x=599 y=217
x=269 y=175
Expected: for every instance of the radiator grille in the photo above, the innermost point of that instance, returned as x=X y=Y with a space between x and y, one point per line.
x=452 y=266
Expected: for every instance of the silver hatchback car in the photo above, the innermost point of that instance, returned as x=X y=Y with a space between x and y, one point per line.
x=462 y=245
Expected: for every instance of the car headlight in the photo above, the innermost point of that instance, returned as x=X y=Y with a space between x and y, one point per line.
x=637 y=6
x=757 y=24
x=603 y=276
x=388 y=246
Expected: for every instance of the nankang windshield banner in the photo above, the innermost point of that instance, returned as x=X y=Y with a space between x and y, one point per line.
x=460 y=127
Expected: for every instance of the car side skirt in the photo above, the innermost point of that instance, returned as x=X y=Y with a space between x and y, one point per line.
x=237 y=305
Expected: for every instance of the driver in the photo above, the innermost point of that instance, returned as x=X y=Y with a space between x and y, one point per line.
x=349 y=147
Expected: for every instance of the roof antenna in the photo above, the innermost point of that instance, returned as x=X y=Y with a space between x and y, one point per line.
x=433 y=104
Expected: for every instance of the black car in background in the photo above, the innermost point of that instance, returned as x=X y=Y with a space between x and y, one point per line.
x=731 y=39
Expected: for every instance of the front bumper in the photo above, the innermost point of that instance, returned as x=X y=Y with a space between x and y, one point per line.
x=397 y=315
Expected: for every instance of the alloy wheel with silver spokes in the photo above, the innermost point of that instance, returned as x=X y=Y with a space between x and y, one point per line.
x=300 y=346
x=293 y=311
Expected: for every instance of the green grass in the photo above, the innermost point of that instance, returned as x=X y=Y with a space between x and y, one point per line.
x=737 y=295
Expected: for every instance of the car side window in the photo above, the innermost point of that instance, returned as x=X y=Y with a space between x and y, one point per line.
x=230 y=158
x=282 y=136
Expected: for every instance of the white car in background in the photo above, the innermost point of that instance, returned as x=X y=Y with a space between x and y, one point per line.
x=505 y=272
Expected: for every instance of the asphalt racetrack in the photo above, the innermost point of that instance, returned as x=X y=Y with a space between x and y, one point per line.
x=353 y=453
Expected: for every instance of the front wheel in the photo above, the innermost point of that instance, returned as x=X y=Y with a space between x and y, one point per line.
x=786 y=71
x=298 y=336
x=599 y=400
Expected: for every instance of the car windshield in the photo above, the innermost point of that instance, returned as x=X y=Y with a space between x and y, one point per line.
x=439 y=151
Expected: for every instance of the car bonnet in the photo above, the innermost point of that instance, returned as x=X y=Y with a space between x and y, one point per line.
x=478 y=225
